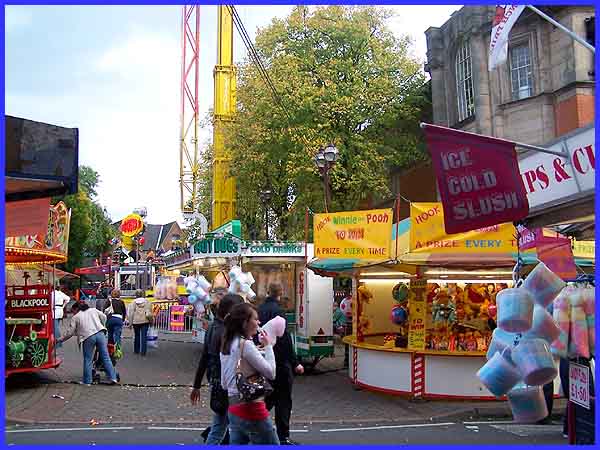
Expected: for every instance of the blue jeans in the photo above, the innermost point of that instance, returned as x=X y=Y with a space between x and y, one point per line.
x=57 y=332
x=217 y=429
x=140 y=338
x=242 y=431
x=114 y=326
x=96 y=341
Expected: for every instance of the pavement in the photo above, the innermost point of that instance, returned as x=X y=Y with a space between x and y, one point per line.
x=155 y=390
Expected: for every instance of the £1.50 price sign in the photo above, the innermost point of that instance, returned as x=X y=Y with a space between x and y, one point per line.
x=579 y=385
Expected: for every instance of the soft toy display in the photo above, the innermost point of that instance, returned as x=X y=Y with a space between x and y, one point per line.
x=240 y=282
x=443 y=310
x=364 y=294
x=520 y=367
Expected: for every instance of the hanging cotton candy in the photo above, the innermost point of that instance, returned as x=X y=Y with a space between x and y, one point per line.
x=199 y=308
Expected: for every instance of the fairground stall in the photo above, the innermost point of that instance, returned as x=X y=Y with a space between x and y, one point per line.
x=41 y=162
x=306 y=298
x=425 y=316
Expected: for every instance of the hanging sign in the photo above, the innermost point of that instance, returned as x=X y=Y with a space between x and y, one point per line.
x=417 y=314
x=579 y=384
x=427 y=234
x=354 y=234
x=478 y=179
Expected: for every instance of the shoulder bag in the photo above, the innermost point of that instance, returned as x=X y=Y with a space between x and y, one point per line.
x=252 y=387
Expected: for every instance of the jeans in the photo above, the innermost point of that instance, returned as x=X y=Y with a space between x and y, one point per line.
x=242 y=431
x=57 y=332
x=217 y=429
x=96 y=341
x=140 y=338
x=114 y=326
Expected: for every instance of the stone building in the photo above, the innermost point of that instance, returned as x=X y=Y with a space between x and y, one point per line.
x=544 y=90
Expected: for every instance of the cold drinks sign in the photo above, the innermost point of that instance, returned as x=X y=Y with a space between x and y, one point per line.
x=478 y=178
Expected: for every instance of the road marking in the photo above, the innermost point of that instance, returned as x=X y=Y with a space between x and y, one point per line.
x=530 y=430
x=43 y=430
x=298 y=431
x=388 y=427
x=177 y=428
x=491 y=422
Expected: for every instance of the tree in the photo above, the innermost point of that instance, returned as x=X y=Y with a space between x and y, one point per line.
x=342 y=77
x=91 y=228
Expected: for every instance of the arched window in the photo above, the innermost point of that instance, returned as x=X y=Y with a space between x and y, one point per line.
x=464 y=82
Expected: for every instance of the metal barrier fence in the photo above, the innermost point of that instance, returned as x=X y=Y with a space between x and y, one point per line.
x=162 y=316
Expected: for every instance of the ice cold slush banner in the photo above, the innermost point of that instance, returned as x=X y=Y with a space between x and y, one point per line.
x=478 y=178
x=354 y=234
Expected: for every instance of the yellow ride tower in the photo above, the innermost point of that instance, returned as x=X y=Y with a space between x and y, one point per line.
x=223 y=185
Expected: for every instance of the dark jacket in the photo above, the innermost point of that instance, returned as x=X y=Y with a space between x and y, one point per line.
x=210 y=360
x=118 y=307
x=285 y=356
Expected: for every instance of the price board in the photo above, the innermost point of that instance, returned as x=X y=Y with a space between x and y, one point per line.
x=579 y=384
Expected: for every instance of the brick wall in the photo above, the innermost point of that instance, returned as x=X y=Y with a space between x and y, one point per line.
x=574 y=113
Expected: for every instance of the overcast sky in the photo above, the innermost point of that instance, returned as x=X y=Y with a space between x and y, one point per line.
x=114 y=73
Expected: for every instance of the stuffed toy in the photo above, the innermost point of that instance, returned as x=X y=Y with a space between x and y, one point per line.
x=364 y=295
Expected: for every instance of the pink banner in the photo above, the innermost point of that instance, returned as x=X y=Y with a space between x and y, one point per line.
x=478 y=178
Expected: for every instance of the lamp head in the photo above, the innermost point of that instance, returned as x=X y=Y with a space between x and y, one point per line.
x=330 y=153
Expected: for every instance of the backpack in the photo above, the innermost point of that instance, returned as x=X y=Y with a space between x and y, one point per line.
x=140 y=313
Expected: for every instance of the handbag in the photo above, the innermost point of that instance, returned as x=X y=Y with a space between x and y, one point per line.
x=219 y=398
x=252 y=387
x=109 y=309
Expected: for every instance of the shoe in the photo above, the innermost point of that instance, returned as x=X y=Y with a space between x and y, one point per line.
x=545 y=421
x=205 y=433
x=287 y=441
x=85 y=384
x=114 y=382
x=565 y=435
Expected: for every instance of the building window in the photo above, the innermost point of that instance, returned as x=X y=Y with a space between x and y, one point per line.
x=521 y=78
x=464 y=83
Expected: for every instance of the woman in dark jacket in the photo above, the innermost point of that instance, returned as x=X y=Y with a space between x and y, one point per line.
x=210 y=363
x=116 y=313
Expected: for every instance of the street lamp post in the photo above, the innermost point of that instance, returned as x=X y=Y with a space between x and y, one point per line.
x=325 y=159
x=265 y=197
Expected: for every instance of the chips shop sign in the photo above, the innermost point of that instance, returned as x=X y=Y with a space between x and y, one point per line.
x=131 y=225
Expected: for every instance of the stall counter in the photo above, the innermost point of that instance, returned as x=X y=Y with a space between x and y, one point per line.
x=422 y=374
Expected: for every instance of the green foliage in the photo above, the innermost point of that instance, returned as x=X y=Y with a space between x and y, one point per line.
x=342 y=77
x=91 y=227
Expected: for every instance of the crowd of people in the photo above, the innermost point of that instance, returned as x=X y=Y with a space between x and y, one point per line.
x=236 y=350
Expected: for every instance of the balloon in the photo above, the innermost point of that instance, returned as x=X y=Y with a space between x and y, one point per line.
x=492 y=310
x=399 y=315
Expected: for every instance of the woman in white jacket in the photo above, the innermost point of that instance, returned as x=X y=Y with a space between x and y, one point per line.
x=249 y=422
x=140 y=316
x=88 y=324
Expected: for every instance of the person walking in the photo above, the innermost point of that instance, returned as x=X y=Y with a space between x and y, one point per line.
x=249 y=421
x=210 y=364
x=287 y=363
x=88 y=324
x=116 y=314
x=59 y=299
x=140 y=316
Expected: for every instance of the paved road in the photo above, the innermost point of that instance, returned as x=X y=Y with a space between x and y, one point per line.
x=448 y=432
x=156 y=393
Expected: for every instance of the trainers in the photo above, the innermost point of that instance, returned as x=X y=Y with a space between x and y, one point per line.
x=288 y=441
x=114 y=382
